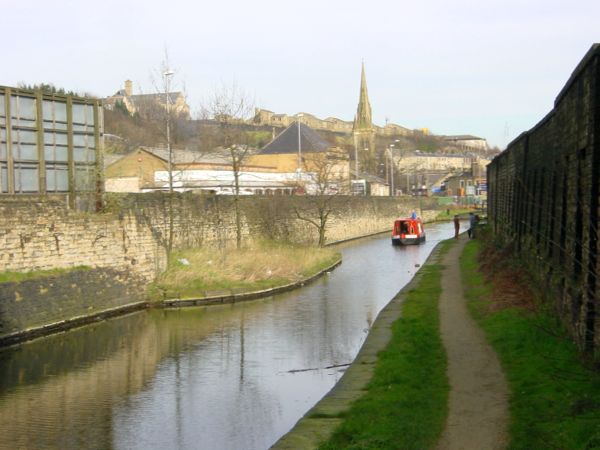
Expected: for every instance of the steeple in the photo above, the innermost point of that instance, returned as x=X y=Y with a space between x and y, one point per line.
x=363 y=119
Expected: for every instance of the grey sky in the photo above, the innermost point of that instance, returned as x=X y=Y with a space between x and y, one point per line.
x=461 y=66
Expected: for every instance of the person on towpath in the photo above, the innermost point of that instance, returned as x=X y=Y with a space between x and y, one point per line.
x=456 y=226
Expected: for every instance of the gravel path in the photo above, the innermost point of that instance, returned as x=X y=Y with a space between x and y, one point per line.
x=478 y=402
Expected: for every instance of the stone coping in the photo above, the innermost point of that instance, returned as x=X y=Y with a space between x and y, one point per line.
x=321 y=420
x=64 y=325
x=232 y=297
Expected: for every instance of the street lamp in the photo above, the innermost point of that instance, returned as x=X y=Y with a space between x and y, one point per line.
x=392 y=169
x=299 y=170
x=355 y=158
x=167 y=78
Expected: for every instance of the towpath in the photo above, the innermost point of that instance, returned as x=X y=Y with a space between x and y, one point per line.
x=478 y=401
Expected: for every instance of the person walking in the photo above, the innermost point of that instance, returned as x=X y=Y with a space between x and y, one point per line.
x=456 y=226
x=472 y=225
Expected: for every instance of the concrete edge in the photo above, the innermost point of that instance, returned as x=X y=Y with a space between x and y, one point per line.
x=356 y=238
x=319 y=423
x=67 y=324
x=245 y=296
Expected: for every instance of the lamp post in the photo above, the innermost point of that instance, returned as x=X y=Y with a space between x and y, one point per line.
x=392 y=169
x=167 y=78
x=299 y=170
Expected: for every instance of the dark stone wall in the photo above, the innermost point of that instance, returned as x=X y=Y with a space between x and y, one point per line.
x=43 y=301
x=544 y=199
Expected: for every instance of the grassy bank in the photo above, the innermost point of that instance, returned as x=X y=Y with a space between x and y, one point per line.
x=443 y=216
x=555 y=399
x=405 y=403
x=200 y=272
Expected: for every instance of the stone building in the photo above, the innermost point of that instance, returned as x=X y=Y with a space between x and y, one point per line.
x=467 y=143
x=425 y=161
x=136 y=103
x=137 y=171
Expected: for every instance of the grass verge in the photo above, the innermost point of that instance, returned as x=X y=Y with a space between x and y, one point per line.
x=405 y=403
x=555 y=399
x=200 y=272
x=17 y=277
x=443 y=216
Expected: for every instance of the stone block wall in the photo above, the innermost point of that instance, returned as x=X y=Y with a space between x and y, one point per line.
x=124 y=248
x=544 y=198
x=132 y=234
x=39 y=302
x=38 y=235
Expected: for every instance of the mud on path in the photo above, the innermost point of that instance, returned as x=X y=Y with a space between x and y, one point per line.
x=478 y=401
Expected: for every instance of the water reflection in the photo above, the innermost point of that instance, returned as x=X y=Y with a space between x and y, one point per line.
x=227 y=377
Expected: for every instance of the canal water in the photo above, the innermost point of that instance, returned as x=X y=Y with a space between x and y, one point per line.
x=221 y=377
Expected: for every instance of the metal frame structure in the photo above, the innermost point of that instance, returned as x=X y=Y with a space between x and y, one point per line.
x=51 y=144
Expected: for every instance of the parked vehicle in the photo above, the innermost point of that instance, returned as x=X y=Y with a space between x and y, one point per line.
x=408 y=231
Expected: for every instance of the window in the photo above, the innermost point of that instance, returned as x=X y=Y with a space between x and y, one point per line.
x=26 y=177
x=3 y=178
x=3 y=144
x=55 y=115
x=57 y=178
x=85 y=178
x=22 y=111
x=55 y=147
x=2 y=110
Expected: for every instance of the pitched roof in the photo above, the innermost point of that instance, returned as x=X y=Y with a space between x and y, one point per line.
x=185 y=156
x=287 y=141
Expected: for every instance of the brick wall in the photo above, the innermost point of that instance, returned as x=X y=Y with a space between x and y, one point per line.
x=544 y=198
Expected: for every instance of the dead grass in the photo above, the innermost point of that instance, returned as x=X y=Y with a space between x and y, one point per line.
x=259 y=266
x=508 y=278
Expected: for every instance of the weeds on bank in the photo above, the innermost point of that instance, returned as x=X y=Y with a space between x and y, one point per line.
x=555 y=399
x=198 y=272
x=405 y=404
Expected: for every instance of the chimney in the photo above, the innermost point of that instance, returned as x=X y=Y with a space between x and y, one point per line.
x=128 y=88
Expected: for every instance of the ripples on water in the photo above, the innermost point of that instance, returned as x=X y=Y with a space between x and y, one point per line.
x=201 y=378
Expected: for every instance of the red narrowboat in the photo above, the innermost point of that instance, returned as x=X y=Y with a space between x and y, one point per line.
x=408 y=231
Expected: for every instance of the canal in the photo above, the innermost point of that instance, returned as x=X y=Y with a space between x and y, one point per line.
x=221 y=377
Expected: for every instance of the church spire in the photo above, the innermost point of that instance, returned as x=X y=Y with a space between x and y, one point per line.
x=363 y=119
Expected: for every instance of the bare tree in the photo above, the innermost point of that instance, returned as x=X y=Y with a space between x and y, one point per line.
x=229 y=107
x=327 y=178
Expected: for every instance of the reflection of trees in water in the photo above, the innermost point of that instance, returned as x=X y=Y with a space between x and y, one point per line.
x=66 y=386
x=181 y=375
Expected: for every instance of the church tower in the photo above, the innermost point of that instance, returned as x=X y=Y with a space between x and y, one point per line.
x=363 y=131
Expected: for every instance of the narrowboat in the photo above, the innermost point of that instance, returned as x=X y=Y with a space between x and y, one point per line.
x=408 y=231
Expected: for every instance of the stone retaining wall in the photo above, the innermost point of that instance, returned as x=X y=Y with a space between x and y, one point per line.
x=48 y=301
x=544 y=199
x=124 y=248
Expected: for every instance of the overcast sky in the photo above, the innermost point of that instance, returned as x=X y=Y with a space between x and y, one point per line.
x=488 y=68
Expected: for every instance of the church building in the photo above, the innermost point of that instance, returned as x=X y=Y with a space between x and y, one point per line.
x=363 y=131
